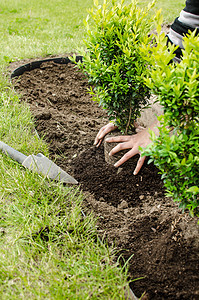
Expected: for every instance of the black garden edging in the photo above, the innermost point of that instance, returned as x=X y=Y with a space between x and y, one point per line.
x=36 y=64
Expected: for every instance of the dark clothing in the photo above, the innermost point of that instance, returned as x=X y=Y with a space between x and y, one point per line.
x=192 y=6
x=187 y=21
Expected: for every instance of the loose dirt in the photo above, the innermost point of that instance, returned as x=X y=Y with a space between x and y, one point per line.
x=160 y=242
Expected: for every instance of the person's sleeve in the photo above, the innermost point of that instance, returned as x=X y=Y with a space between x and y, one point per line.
x=187 y=21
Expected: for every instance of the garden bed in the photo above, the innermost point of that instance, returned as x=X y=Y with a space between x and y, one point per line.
x=132 y=212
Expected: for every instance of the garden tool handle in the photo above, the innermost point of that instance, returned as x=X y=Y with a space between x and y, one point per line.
x=16 y=155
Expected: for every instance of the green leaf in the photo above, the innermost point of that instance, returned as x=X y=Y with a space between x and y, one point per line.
x=183 y=162
x=193 y=189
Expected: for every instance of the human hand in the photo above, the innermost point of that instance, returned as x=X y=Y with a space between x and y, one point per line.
x=102 y=132
x=133 y=142
x=108 y=128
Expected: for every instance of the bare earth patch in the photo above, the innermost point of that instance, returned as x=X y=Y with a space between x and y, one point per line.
x=132 y=211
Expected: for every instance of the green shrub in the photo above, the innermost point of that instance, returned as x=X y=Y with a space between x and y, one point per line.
x=113 y=60
x=176 y=153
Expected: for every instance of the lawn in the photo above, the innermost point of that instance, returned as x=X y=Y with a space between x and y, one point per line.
x=48 y=249
x=40 y=28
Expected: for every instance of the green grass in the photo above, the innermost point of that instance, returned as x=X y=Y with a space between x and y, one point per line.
x=40 y=28
x=48 y=250
x=170 y=9
x=32 y=28
x=51 y=251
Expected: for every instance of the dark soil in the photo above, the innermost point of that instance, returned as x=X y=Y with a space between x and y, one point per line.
x=132 y=211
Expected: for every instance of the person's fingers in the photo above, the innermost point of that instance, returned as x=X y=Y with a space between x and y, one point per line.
x=102 y=132
x=105 y=131
x=126 y=157
x=98 y=136
x=120 y=147
x=118 y=139
x=139 y=165
x=98 y=142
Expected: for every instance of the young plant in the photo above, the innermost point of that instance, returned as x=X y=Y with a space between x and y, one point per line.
x=176 y=153
x=113 y=60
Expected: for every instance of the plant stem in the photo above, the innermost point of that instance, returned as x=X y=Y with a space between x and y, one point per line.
x=129 y=119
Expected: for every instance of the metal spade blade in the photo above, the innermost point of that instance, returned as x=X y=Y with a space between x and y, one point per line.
x=38 y=163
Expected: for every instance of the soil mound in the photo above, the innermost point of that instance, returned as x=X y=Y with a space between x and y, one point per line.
x=133 y=212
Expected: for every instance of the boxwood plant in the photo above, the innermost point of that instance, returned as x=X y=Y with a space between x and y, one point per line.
x=176 y=151
x=113 y=61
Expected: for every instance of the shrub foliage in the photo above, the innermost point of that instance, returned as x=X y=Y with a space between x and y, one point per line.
x=124 y=63
x=176 y=151
x=113 y=60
